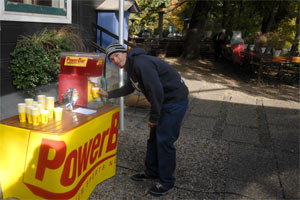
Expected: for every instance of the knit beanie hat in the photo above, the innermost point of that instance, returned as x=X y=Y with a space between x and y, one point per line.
x=113 y=48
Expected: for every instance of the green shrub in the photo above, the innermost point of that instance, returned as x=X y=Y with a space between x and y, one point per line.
x=35 y=61
x=31 y=66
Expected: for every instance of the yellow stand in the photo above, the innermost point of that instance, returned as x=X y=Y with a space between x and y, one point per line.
x=63 y=164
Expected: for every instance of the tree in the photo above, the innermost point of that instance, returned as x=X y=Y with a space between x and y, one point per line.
x=176 y=12
x=149 y=13
x=273 y=13
x=296 y=45
x=249 y=17
x=197 y=26
x=246 y=16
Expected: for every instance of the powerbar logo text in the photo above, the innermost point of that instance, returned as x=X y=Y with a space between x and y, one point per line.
x=76 y=61
x=75 y=163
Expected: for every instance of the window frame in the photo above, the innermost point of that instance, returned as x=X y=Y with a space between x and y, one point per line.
x=34 y=13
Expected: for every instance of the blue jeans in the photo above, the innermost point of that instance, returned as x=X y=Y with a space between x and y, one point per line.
x=161 y=153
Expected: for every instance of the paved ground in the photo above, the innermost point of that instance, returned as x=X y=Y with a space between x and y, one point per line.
x=238 y=140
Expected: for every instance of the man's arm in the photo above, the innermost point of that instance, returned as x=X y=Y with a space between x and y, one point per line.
x=120 y=92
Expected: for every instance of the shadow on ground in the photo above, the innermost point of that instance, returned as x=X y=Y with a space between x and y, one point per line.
x=225 y=151
x=238 y=141
x=231 y=77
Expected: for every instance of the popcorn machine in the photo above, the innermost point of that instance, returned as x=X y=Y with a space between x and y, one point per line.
x=81 y=71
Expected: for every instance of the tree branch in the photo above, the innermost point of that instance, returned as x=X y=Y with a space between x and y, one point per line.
x=178 y=5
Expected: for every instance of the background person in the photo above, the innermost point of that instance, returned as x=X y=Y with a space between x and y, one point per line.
x=219 y=40
x=168 y=95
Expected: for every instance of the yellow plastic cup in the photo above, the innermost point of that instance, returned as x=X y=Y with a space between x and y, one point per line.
x=50 y=102
x=41 y=98
x=95 y=91
x=58 y=113
x=42 y=102
x=22 y=112
x=28 y=114
x=40 y=106
x=35 y=102
x=51 y=110
x=44 y=116
x=35 y=114
x=29 y=101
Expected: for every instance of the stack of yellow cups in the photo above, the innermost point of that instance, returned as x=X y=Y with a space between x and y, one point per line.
x=35 y=114
x=34 y=105
x=28 y=114
x=50 y=106
x=40 y=107
x=29 y=101
x=40 y=111
x=42 y=100
x=44 y=116
x=22 y=112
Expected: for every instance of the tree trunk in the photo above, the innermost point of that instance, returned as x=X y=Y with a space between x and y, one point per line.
x=241 y=9
x=268 y=21
x=282 y=10
x=197 y=26
x=200 y=13
x=295 y=45
x=160 y=24
x=224 y=13
x=273 y=15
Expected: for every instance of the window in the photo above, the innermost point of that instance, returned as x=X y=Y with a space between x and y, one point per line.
x=47 y=11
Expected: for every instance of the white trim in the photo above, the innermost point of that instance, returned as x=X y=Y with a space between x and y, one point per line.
x=58 y=3
x=112 y=4
x=35 y=17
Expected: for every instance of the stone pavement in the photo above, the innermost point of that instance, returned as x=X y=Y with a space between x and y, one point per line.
x=238 y=141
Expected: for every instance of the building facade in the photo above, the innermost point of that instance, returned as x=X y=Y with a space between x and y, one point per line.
x=26 y=17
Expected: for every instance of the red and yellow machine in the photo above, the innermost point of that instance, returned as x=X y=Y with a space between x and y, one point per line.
x=80 y=70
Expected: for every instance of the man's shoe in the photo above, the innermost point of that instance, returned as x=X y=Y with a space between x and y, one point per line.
x=141 y=177
x=159 y=190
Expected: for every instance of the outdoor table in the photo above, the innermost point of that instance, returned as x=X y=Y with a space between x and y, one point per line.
x=262 y=59
x=60 y=160
x=281 y=60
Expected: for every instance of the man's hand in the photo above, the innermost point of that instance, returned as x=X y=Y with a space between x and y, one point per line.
x=103 y=93
x=151 y=124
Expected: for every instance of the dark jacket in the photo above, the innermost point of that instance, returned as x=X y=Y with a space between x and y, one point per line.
x=156 y=79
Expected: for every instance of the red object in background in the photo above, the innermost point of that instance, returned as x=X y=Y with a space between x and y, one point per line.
x=76 y=68
x=237 y=52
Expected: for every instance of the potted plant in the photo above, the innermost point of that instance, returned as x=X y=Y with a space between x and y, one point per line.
x=35 y=60
x=261 y=43
x=276 y=42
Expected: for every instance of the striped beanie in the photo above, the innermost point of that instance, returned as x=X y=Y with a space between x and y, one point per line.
x=113 y=48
